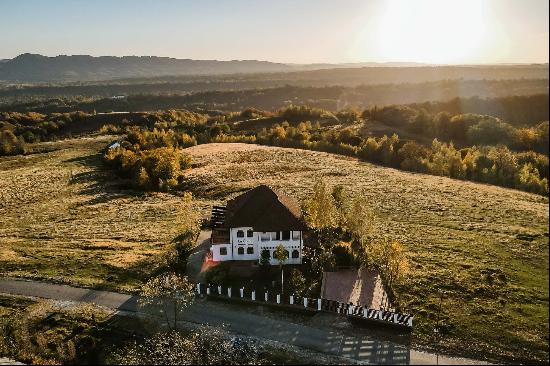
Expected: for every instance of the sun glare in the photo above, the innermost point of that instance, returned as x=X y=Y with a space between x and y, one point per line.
x=431 y=31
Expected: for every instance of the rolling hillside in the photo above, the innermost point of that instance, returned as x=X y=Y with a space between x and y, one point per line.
x=62 y=217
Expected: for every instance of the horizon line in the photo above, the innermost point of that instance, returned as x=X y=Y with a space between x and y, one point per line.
x=293 y=63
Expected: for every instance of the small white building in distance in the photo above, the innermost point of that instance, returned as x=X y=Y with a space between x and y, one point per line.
x=256 y=221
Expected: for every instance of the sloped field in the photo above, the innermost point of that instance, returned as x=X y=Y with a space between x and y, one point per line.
x=63 y=217
x=483 y=247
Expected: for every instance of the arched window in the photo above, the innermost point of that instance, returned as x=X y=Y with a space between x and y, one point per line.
x=240 y=251
x=250 y=250
x=240 y=234
x=249 y=234
x=295 y=254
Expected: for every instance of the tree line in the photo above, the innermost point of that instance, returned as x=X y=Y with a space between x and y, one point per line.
x=518 y=101
x=464 y=146
x=489 y=164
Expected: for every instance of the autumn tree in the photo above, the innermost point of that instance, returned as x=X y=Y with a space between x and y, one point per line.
x=343 y=203
x=389 y=257
x=11 y=144
x=320 y=209
x=296 y=282
x=281 y=255
x=165 y=290
x=187 y=223
x=360 y=223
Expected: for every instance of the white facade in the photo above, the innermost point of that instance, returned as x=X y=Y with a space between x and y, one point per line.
x=247 y=244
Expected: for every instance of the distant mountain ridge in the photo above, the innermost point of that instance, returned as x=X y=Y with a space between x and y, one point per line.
x=35 y=68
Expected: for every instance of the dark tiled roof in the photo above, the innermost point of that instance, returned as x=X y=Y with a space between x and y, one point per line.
x=264 y=209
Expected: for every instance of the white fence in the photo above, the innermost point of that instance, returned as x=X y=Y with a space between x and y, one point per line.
x=348 y=309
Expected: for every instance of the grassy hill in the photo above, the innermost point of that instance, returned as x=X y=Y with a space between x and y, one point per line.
x=63 y=217
x=486 y=247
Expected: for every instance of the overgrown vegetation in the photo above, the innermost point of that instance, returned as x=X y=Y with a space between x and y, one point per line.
x=204 y=346
x=343 y=224
x=48 y=332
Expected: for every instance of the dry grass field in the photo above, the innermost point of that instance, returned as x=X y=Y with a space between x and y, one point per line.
x=485 y=246
x=62 y=217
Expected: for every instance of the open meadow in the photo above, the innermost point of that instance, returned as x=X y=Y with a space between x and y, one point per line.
x=63 y=217
x=486 y=247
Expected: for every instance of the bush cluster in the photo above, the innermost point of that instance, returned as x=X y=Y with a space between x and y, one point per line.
x=151 y=159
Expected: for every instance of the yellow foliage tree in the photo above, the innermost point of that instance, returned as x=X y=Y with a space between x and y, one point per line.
x=320 y=210
x=390 y=259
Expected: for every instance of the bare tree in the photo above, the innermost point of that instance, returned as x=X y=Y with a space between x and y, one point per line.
x=168 y=289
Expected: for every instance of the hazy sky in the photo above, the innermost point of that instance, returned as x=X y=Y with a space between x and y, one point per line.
x=303 y=31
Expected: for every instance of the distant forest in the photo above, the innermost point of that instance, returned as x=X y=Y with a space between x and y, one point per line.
x=517 y=110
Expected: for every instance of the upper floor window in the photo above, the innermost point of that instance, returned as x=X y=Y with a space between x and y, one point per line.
x=223 y=251
x=240 y=234
x=286 y=235
x=265 y=236
x=249 y=233
x=295 y=235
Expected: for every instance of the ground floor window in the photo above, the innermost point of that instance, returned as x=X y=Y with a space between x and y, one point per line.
x=295 y=254
x=240 y=251
x=223 y=251
x=250 y=250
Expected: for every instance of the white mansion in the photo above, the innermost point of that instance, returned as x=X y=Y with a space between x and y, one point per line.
x=256 y=221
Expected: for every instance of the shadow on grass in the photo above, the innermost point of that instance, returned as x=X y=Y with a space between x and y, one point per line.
x=100 y=183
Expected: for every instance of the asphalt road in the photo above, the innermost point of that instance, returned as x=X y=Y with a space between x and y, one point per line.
x=331 y=341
